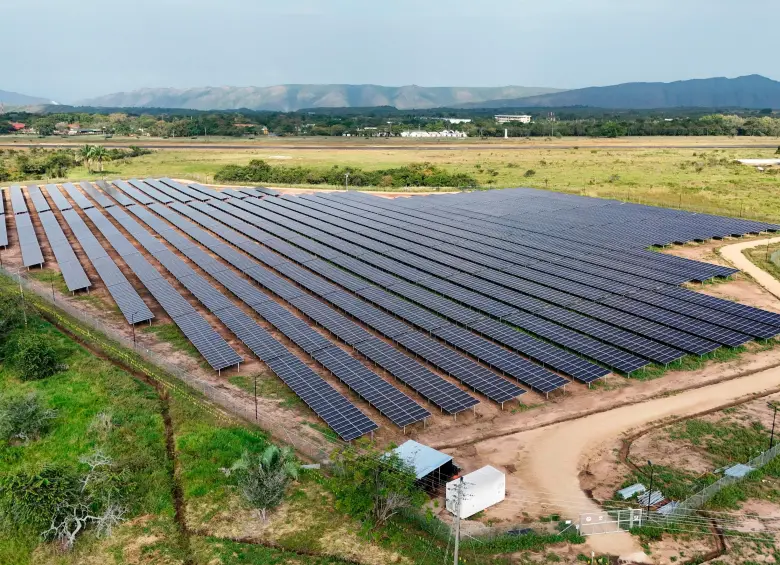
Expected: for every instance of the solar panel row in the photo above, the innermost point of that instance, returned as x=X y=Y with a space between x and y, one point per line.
x=130 y=304
x=70 y=267
x=422 y=318
x=449 y=397
x=214 y=349
x=259 y=341
x=466 y=372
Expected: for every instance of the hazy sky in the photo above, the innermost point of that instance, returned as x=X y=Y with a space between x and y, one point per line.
x=74 y=49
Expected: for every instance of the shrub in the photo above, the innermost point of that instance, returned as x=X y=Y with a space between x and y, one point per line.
x=10 y=313
x=529 y=173
x=24 y=417
x=374 y=487
x=35 y=357
x=33 y=498
x=263 y=478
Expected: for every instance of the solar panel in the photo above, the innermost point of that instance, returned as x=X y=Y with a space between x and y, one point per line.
x=111 y=190
x=37 y=198
x=210 y=192
x=168 y=191
x=77 y=197
x=150 y=191
x=133 y=192
x=18 y=204
x=430 y=386
x=3 y=230
x=28 y=240
x=403 y=309
x=390 y=402
x=208 y=342
x=96 y=195
x=192 y=193
x=71 y=269
x=342 y=327
x=459 y=367
x=340 y=415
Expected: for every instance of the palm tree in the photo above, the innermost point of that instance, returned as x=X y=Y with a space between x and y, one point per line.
x=85 y=156
x=101 y=154
x=263 y=478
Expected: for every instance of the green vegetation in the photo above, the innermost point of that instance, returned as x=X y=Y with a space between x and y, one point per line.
x=171 y=334
x=56 y=163
x=582 y=122
x=35 y=357
x=24 y=417
x=263 y=478
x=423 y=174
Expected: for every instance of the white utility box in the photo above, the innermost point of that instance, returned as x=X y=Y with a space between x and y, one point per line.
x=481 y=489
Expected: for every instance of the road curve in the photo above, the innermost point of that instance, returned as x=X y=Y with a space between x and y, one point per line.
x=733 y=254
x=550 y=459
x=334 y=147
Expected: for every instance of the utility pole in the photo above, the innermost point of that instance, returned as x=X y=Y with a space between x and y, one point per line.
x=650 y=492
x=346 y=181
x=132 y=325
x=255 y=397
x=772 y=437
x=457 y=519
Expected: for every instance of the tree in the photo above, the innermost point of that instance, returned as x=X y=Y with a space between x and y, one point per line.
x=44 y=129
x=35 y=357
x=101 y=154
x=24 y=418
x=85 y=156
x=263 y=478
x=374 y=486
x=10 y=314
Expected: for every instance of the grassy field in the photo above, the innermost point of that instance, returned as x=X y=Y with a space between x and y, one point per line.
x=704 y=180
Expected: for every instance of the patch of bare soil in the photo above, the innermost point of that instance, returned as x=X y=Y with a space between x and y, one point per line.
x=671 y=550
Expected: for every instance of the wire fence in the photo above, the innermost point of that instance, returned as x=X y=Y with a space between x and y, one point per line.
x=695 y=502
x=219 y=402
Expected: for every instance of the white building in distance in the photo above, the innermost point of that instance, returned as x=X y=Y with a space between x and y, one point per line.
x=444 y=133
x=506 y=118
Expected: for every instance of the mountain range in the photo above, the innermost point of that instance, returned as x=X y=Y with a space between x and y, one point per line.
x=752 y=91
x=291 y=97
x=16 y=99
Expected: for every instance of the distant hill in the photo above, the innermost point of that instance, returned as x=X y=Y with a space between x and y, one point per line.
x=291 y=97
x=16 y=99
x=753 y=91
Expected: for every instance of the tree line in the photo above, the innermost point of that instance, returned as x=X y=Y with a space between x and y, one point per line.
x=418 y=175
x=576 y=122
x=40 y=163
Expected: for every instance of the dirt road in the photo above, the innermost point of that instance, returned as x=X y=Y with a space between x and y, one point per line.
x=549 y=460
x=734 y=255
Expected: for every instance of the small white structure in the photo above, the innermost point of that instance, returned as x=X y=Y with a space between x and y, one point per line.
x=445 y=133
x=506 y=118
x=760 y=162
x=481 y=489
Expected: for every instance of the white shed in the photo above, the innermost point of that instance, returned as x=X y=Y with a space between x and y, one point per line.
x=481 y=489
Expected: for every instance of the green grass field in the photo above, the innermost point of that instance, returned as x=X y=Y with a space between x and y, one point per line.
x=694 y=178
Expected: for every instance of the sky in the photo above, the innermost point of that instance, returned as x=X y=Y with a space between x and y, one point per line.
x=78 y=49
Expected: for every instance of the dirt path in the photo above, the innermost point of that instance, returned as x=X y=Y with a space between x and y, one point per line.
x=549 y=459
x=733 y=254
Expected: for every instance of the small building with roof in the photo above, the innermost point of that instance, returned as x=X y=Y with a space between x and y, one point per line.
x=431 y=467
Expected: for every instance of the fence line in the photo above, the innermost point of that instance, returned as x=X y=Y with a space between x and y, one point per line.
x=698 y=500
x=113 y=343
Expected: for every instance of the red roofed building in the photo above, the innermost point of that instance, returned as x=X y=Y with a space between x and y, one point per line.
x=17 y=126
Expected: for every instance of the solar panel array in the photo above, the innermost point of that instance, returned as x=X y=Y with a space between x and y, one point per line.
x=265 y=346
x=488 y=288
x=70 y=267
x=130 y=304
x=25 y=231
x=214 y=349
x=445 y=395
x=465 y=370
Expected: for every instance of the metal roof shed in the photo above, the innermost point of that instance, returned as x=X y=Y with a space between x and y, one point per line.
x=432 y=468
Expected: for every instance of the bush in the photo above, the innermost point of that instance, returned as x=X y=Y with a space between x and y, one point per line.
x=33 y=498
x=374 y=487
x=418 y=174
x=35 y=357
x=10 y=313
x=529 y=173
x=24 y=418
x=263 y=478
